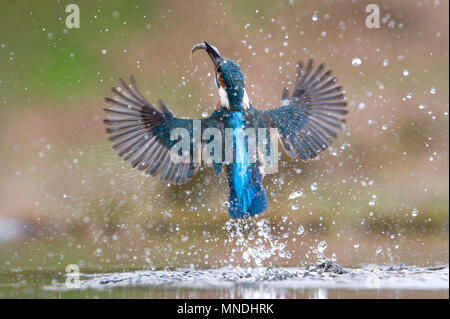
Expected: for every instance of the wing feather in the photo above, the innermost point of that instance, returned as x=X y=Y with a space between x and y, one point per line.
x=313 y=115
x=141 y=133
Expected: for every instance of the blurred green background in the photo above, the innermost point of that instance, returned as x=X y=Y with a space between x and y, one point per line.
x=379 y=196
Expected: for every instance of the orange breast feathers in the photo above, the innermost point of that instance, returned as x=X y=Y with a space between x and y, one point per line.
x=222 y=85
x=220 y=81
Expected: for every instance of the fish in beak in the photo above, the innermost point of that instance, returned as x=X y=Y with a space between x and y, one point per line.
x=212 y=52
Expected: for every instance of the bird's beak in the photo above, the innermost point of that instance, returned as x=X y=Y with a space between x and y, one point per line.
x=212 y=52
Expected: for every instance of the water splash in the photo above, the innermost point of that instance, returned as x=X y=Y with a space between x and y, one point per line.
x=269 y=282
x=255 y=240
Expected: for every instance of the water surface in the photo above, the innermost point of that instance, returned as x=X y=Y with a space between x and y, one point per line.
x=322 y=280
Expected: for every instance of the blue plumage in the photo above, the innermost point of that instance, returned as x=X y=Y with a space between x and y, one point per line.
x=306 y=122
x=247 y=195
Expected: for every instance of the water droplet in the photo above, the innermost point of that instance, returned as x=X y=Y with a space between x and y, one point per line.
x=433 y=90
x=356 y=245
x=315 y=17
x=405 y=72
x=104 y=51
x=379 y=249
x=322 y=246
x=300 y=230
x=295 y=194
x=356 y=62
x=294 y=207
x=314 y=186
x=415 y=212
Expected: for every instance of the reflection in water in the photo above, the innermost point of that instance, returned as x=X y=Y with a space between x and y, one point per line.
x=326 y=280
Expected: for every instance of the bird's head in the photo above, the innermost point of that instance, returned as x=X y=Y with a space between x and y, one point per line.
x=229 y=79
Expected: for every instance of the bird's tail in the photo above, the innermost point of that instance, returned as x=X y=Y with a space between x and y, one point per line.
x=253 y=199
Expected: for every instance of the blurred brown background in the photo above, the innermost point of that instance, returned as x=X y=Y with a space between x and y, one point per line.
x=381 y=193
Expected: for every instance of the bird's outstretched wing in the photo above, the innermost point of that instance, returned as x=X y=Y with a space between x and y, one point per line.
x=311 y=116
x=142 y=133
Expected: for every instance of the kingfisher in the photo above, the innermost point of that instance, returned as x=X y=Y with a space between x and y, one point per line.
x=306 y=121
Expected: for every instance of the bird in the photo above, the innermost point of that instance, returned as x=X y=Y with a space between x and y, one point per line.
x=306 y=121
